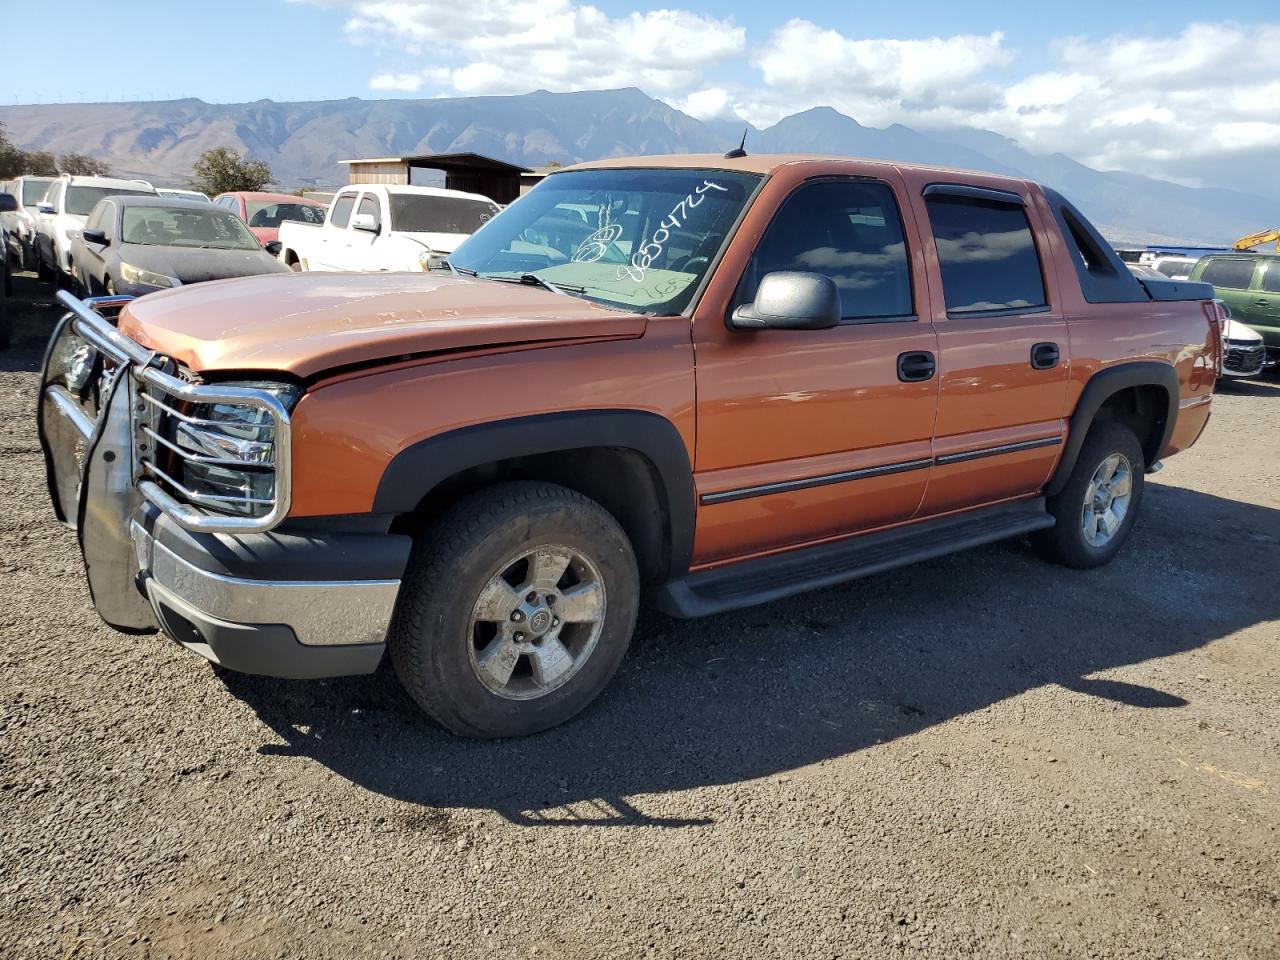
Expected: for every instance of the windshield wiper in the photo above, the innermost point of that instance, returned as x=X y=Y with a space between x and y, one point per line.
x=533 y=280
x=464 y=271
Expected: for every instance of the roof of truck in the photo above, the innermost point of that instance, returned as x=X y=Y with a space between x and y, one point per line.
x=767 y=163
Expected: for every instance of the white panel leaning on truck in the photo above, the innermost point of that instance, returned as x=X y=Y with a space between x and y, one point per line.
x=371 y=227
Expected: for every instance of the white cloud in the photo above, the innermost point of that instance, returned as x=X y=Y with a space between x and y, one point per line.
x=514 y=46
x=713 y=103
x=406 y=82
x=873 y=80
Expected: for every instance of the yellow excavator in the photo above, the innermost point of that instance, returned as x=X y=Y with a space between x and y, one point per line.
x=1251 y=241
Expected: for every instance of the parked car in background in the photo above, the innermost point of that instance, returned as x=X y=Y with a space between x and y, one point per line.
x=1175 y=268
x=1249 y=283
x=892 y=362
x=8 y=204
x=63 y=211
x=374 y=227
x=21 y=223
x=265 y=212
x=137 y=245
x=178 y=194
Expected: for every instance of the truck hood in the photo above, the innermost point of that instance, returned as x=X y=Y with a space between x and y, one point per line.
x=306 y=323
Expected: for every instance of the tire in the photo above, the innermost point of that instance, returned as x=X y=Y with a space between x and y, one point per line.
x=1069 y=541
x=42 y=269
x=440 y=641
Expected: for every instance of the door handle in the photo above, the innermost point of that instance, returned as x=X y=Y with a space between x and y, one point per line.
x=916 y=366
x=1045 y=356
x=1263 y=302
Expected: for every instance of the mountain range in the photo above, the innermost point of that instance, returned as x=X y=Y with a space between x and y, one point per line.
x=303 y=142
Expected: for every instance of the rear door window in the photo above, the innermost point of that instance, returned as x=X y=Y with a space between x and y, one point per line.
x=342 y=209
x=1228 y=274
x=1271 y=279
x=987 y=255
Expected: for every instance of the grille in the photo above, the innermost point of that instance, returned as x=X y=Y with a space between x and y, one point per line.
x=1242 y=360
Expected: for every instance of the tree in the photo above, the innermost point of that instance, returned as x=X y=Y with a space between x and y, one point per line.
x=15 y=162
x=221 y=171
x=39 y=163
x=10 y=157
x=79 y=165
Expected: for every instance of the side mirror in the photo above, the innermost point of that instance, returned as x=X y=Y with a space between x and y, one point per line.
x=364 y=222
x=95 y=237
x=8 y=203
x=45 y=208
x=791 y=301
x=273 y=247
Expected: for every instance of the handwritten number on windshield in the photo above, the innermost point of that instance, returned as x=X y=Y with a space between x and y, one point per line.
x=643 y=258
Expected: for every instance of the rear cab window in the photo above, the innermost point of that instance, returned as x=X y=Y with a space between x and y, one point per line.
x=1229 y=274
x=987 y=254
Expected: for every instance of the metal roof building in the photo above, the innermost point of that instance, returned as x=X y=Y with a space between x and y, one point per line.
x=472 y=172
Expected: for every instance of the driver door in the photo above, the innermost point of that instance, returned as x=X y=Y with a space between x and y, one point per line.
x=805 y=435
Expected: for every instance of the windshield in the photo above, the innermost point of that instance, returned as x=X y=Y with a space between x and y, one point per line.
x=185 y=227
x=418 y=213
x=80 y=200
x=270 y=213
x=33 y=191
x=635 y=239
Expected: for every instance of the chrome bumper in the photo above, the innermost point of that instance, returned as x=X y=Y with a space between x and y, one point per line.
x=279 y=628
x=319 y=612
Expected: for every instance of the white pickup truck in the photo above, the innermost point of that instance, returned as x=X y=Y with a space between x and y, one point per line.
x=371 y=227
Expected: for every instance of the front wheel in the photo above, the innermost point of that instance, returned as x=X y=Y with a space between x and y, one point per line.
x=1097 y=508
x=517 y=608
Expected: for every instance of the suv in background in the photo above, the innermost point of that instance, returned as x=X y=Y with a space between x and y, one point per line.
x=64 y=209
x=1174 y=267
x=1249 y=283
x=21 y=223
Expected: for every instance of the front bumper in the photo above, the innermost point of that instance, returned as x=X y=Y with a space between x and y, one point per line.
x=308 y=619
x=296 y=600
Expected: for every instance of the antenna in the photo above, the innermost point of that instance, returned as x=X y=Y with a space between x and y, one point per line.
x=740 y=150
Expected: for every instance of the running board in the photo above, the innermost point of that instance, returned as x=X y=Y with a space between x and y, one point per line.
x=781 y=575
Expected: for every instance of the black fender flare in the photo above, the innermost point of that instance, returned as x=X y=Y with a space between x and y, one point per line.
x=421 y=467
x=1101 y=387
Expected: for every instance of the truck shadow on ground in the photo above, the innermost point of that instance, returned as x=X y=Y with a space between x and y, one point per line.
x=766 y=690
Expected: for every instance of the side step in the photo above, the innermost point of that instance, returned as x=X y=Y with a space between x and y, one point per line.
x=781 y=575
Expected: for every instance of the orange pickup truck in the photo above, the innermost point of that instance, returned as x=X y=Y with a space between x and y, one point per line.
x=703 y=382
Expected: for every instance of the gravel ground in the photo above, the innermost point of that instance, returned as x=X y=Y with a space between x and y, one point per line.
x=978 y=756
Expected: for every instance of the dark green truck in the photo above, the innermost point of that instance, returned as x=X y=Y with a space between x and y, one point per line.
x=1249 y=283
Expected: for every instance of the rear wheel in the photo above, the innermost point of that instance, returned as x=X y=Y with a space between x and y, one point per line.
x=1097 y=508
x=517 y=609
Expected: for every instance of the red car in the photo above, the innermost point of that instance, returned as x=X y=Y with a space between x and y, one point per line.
x=264 y=212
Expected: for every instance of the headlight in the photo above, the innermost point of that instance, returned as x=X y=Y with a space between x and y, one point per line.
x=75 y=359
x=131 y=274
x=232 y=449
x=424 y=260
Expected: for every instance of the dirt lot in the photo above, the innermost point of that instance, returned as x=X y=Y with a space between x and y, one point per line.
x=981 y=756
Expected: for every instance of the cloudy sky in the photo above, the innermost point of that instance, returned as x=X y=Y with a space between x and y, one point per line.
x=1162 y=89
